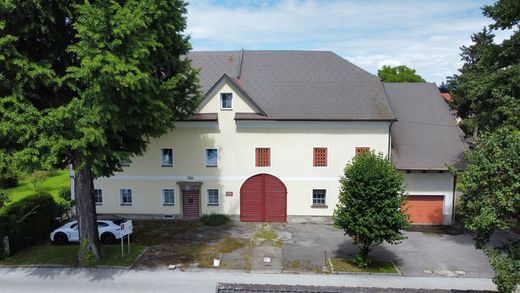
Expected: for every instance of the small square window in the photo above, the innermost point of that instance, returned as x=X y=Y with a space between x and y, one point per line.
x=213 y=199
x=226 y=101
x=320 y=157
x=98 y=197
x=211 y=157
x=318 y=197
x=263 y=157
x=360 y=150
x=168 y=197
x=166 y=157
x=126 y=197
x=125 y=163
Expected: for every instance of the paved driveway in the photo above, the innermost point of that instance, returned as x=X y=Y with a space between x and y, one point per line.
x=422 y=254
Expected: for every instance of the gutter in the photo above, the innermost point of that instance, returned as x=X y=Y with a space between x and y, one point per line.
x=390 y=140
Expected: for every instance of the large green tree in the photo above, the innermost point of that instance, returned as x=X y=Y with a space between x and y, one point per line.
x=490 y=200
x=370 y=201
x=487 y=89
x=399 y=73
x=89 y=83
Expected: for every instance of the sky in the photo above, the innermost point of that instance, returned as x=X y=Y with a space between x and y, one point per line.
x=421 y=34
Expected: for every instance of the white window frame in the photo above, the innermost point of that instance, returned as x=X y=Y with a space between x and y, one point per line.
x=161 y=157
x=163 y=197
x=98 y=203
x=121 y=196
x=220 y=101
x=207 y=197
x=321 y=205
x=125 y=163
x=206 y=158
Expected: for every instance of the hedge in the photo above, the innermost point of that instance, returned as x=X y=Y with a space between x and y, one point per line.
x=4 y=222
x=29 y=220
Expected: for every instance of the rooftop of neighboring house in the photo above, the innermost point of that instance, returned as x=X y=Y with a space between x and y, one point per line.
x=447 y=97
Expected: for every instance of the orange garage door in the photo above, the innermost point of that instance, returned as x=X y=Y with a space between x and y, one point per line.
x=425 y=209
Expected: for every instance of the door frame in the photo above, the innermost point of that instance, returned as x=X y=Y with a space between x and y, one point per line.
x=189 y=186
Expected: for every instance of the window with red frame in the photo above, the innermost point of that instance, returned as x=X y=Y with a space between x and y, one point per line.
x=320 y=157
x=263 y=157
x=360 y=150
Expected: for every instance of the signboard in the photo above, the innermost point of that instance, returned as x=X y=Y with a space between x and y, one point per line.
x=229 y=193
x=126 y=229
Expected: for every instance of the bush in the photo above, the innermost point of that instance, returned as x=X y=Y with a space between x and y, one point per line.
x=4 y=199
x=214 y=220
x=8 y=179
x=30 y=220
x=65 y=193
x=4 y=222
x=37 y=178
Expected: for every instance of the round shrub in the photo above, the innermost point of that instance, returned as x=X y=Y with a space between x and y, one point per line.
x=65 y=193
x=30 y=220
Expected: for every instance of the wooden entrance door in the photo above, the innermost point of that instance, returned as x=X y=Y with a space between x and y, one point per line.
x=191 y=204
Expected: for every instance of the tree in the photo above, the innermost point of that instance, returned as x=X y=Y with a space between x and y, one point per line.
x=399 y=73
x=90 y=83
x=370 y=201
x=490 y=188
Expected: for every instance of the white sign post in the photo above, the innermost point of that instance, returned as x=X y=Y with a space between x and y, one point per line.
x=126 y=229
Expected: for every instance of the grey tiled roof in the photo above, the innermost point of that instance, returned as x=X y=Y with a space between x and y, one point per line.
x=257 y=288
x=299 y=85
x=425 y=136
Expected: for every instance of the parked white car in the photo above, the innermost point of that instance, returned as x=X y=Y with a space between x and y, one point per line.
x=109 y=231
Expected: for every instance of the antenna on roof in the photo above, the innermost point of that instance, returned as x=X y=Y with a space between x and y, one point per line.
x=241 y=58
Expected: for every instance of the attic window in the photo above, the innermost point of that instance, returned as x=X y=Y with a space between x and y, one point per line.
x=226 y=101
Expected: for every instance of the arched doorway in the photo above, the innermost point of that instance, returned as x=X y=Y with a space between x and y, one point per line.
x=263 y=198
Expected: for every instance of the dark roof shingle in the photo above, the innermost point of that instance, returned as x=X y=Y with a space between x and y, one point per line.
x=425 y=136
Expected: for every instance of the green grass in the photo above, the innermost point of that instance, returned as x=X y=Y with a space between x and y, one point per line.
x=342 y=265
x=53 y=184
x=66 y=255
x=265 y=234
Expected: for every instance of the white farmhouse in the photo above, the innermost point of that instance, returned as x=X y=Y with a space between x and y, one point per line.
x=272 y=135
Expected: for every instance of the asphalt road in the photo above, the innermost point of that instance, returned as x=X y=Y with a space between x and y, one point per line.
x=57 y=280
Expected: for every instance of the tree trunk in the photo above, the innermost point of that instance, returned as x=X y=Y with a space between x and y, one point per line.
x=87 y=218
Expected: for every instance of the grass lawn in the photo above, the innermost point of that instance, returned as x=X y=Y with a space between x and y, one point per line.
x=66 y=255
x=56 y=181
x=342 y=265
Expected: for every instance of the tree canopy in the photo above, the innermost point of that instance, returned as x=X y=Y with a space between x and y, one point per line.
x=370 y=201
x=399 y=73
x=89 y=83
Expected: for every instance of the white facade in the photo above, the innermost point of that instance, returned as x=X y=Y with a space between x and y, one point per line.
x=291 y=145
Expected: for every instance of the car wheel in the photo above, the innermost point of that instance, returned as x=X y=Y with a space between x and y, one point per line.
x=107 y=238
x=60 y=238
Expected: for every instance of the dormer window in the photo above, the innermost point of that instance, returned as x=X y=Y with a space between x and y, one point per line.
x=226 y=101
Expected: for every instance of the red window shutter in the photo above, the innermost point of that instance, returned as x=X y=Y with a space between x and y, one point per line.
x=320 y=157
x=360 y=150
x=263 y=157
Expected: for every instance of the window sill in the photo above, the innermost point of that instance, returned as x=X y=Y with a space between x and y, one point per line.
x=226 y=109
x=211 y=166
x=99 y=204
x=319 y=206
x=168 y=204
x=166 y=166
x=212 y=205
x=126 y=204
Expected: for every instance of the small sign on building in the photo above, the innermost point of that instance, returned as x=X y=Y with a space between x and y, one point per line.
x=229 y=193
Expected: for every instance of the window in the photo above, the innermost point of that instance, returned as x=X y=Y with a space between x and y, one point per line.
x=212 y=197
x=318 y=197
x=102 y=224
x=98 y=197
x=226 y=101
x=168 y=197
x=166 y=157
x=360 y=150
x=125 y=163
x=211 y=157
x=320 y=157
x=263 y=157
x=126 y=197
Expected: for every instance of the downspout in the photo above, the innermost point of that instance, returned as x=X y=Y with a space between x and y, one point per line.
x=453 y=199
x=390 y=140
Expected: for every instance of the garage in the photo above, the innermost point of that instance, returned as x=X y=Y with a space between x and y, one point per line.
x=425 y=209
x=263 y=198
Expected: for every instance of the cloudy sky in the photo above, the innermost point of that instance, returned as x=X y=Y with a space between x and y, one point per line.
x=425 y=35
